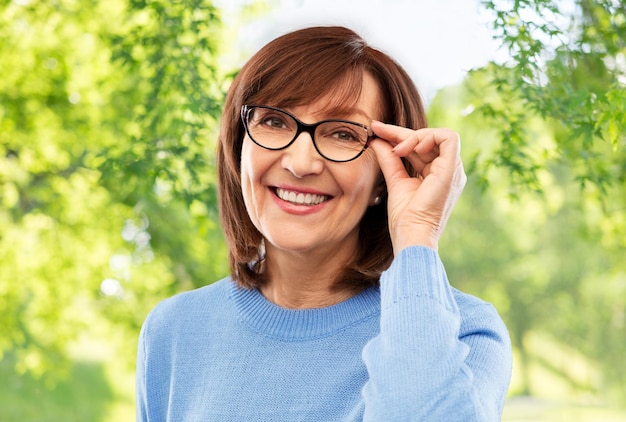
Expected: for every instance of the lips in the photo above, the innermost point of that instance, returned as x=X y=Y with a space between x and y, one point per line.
x=300 y=198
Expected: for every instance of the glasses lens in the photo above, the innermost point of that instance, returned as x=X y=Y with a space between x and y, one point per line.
x=270 y=128
x=340 y=141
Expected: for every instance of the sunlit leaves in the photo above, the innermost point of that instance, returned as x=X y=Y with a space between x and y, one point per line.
x=170 y=49
x=567 y=65
x=544 y=139
x=107 y=118
x=550 y=260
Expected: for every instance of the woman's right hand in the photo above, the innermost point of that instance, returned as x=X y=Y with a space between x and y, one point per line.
x=419 y=207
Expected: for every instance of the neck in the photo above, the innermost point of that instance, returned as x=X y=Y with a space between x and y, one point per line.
x=304 y=280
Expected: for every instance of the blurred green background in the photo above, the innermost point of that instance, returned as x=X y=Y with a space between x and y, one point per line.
x=108 y=117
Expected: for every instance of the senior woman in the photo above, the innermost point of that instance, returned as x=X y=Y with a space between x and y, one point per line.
x=338 y=306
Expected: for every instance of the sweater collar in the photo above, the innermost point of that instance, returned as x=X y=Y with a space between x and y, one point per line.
x=272 y=320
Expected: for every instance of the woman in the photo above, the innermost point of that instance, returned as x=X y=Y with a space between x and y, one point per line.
x=338 y=307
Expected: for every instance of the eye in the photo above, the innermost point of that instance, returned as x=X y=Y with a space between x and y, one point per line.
x=345 y=136
x=274 y=122
x=343 y=132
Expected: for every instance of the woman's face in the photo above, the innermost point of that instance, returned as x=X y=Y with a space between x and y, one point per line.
x=301 y=202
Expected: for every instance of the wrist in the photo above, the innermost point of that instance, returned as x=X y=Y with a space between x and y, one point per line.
x=405 y=238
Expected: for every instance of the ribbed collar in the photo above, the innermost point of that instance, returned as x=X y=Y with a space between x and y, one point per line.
x=269 y=319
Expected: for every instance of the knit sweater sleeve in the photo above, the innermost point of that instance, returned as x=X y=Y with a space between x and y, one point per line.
x=140 y=380
x=440 y=355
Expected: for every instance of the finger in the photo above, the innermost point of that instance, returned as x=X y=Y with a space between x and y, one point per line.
x=434 y=140
x=408 y=141
x=418 y=164
x=438 y=148
x=403 y=141
x=422 y=147
x=390 y=164
x=438 y=153
x=391 y=133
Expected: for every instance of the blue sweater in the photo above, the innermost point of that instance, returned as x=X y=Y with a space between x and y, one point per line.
x=413 y=350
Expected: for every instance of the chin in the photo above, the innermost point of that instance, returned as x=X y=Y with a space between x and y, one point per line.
x=290 y=246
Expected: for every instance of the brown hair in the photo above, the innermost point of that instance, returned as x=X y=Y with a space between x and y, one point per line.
x=297 y=69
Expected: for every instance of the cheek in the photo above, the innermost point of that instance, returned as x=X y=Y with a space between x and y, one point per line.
x=369 y=174
x=246 y=171
x=255 y=164
x=250 y=180
x=249 y=172
x=360 y=179
x=252 y=162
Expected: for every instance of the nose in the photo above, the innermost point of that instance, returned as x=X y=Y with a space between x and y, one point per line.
x=301 y=158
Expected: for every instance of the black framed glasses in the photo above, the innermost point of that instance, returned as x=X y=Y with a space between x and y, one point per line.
x=276 y=129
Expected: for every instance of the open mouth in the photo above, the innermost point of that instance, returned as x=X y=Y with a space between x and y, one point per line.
x=300 y=198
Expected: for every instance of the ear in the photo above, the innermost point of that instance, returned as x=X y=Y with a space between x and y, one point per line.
x=378 y=193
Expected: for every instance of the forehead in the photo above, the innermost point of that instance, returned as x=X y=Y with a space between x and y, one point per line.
x=347 y=100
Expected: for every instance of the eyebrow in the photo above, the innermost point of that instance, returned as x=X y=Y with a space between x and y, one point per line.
x=345 y=113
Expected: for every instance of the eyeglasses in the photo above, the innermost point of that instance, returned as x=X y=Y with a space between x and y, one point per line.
x=276 y=129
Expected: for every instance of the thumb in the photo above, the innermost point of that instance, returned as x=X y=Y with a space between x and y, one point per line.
x=390 y=163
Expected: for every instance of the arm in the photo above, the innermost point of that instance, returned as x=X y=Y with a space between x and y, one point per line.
x=435 y=358
x=140 y=379
x=434 y=361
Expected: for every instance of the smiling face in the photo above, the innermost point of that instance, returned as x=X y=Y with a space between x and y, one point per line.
x=297 y=69
x=303 y=203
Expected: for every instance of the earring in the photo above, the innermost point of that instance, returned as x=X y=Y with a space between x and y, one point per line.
x=377 y=200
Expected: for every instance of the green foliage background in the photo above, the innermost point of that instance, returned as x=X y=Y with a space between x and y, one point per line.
x=108 y=119
x=108 y=114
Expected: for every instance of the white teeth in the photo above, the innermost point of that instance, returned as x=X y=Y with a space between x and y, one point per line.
x=300 y=198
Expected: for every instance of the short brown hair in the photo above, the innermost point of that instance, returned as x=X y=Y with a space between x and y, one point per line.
x=297 y=69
